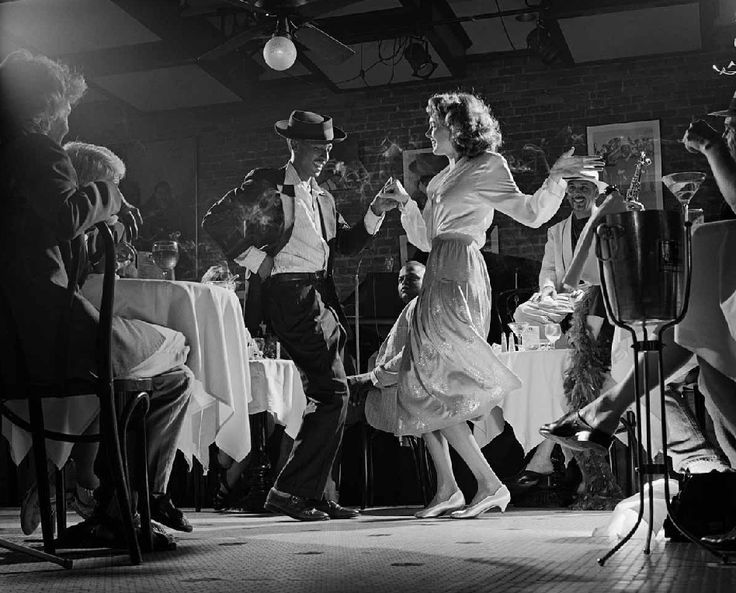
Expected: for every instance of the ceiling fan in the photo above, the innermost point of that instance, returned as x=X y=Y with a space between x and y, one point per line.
x=283 y=27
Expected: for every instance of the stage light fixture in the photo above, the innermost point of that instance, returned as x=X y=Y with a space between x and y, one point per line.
x=419 y=58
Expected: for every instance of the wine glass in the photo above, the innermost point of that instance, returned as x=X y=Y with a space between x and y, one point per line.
x=684 y=186
x=552 y=332
x=165 y=255
x=125 y=254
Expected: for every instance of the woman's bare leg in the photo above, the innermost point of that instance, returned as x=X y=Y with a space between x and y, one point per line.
x=461 y=439
x=541 y=461
x=440 y=453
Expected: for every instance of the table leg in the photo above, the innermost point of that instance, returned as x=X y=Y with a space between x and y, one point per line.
x=260 y=477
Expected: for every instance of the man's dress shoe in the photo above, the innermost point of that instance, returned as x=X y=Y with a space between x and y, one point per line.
x=296 y=507
x=528 y=479
x=335 y=511
x=725 y=542
x=575 y=433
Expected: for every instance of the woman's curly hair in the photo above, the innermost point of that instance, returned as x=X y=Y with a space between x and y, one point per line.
x=94 y=163
x=473 y=129
x=34 y=91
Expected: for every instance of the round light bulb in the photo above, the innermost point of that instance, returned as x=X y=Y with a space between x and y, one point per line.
x=279 y=53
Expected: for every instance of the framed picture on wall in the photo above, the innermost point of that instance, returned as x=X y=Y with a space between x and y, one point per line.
x=621 y=145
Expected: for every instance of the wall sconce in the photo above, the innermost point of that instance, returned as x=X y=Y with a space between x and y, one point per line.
x=419 y=58
x=279 y=52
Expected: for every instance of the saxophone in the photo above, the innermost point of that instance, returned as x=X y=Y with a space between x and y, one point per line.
x=632 y=194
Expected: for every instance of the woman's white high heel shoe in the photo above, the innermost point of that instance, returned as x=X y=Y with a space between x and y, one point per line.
x=500 y=499
x=455 y=502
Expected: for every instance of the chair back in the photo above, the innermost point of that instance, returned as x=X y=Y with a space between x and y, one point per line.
x=15 y=379
x=509 y=300
x=104 y=330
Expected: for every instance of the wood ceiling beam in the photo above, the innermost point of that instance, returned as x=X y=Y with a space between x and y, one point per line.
x=187 y=39
x=448 y=39
x=128 y=58
x=572 y=8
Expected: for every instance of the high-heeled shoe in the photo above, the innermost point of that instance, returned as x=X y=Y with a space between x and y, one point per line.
x=455 y=502
x=574 y=432
x=500 y=499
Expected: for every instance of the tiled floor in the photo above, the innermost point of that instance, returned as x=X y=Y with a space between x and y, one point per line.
x=385 y=550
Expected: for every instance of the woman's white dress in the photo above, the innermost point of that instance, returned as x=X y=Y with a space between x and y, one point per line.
x=449 y=373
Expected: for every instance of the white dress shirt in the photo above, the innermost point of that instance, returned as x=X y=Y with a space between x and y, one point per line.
x=307 y=249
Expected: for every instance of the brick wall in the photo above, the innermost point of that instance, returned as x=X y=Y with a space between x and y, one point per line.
x=536 y=105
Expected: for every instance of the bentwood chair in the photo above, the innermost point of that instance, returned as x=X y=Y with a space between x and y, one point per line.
x=121 y=400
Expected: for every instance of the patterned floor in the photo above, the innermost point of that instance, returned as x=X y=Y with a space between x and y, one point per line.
x=385 y=550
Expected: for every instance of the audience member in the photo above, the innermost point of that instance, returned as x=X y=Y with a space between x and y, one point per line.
x=555 y=301
x=46 y=210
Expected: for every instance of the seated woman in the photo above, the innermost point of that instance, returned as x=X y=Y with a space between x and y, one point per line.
x=46 y=209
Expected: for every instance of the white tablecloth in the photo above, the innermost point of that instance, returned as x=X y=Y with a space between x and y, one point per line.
x=212 y=320
x=539 y=400
x=276 y=387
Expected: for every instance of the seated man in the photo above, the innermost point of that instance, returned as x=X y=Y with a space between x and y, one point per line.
x=378 y=387
x=554 y=301
x=594 y=424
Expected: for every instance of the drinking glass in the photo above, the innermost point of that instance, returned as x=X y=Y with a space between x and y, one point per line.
x=552 y=332
x=684 y=186
x=165 y=255
x=125 y=254
x=518 y=329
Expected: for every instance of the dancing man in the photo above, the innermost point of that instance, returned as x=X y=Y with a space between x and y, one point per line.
x=301 y=303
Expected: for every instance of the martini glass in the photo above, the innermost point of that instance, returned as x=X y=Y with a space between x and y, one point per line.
x=684 y=186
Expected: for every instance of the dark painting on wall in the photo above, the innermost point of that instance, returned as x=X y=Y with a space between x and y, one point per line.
x=161 y=180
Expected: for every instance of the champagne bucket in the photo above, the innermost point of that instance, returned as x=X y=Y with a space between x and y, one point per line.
x=644 y=263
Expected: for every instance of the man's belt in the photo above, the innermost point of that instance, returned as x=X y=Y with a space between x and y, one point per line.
x=299 y=277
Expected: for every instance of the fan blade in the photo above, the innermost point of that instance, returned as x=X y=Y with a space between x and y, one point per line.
x=325 y=47
x=235 y=42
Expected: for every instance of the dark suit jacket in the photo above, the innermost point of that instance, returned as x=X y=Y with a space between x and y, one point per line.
x=341 y=238
x=43 y=211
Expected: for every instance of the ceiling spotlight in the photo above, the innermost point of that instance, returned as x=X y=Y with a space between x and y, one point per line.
x=526 y=17
x=417 y=54
x=547 y=41
x=279 y=52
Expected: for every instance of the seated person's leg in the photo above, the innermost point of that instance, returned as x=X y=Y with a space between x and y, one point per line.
x=543 y=312
x=720 y=401
x=171 y=394
x=688 y=447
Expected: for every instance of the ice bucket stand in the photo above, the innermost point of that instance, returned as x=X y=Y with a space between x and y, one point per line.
x=651 y=331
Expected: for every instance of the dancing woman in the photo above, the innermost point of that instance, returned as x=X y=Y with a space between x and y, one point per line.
x=449 y=373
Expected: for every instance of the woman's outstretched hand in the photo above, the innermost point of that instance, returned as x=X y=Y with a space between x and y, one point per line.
x=391 y=195
x=571 y=166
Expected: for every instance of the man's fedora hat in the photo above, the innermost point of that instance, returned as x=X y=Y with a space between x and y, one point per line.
x=305 y=125
x=730 y=112
x=591 y=176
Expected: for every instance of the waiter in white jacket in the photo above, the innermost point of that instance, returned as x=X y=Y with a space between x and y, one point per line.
x=555 y=301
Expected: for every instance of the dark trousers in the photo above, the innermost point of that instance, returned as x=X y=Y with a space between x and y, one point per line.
x=311 y=333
